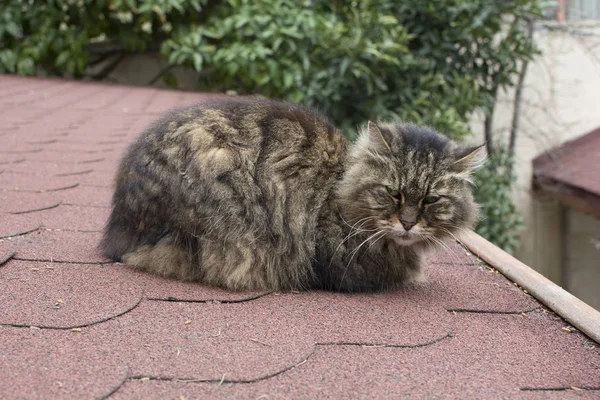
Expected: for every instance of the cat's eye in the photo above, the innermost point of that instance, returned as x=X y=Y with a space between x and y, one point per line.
x=430 y=199
x=392 y=191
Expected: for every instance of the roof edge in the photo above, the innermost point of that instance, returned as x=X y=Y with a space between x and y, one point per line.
x=551 y=154
x=575 y=197
x=579 y=314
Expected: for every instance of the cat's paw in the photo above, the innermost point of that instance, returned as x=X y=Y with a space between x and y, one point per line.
x=416 y=279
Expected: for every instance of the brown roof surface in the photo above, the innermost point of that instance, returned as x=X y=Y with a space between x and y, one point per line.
x=73 y=325
x=575 y=163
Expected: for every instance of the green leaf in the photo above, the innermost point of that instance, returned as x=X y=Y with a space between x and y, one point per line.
x=288 y=80
x=197 y=60
x=62 y=58
x=232 y=68
x=262 y=79
x=8 y=60
x=26 y=66
x=13 y=29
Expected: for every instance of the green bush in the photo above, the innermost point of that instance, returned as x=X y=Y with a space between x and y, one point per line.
x=500 y=219
x=426 y=61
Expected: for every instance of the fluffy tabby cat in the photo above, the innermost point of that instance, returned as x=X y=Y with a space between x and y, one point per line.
x=256 y=194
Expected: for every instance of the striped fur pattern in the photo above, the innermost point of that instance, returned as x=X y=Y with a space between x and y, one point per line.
x=257 y=194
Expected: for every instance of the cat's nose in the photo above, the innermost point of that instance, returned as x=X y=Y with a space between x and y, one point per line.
x=407 y=224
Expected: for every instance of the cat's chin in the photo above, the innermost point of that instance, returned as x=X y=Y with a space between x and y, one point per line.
x=405 y=240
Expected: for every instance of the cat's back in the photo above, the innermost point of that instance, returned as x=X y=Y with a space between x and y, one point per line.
x=243 y=124
x=271 y=140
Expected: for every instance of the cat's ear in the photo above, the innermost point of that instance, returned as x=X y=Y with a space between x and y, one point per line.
x=467 y=158
x=377 y=140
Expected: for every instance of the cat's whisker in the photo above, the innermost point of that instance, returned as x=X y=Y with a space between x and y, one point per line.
x=438 y=243
x=429 y=241
x=348 y=237
x=451 y=251
x=457 y=228
x=354 y=230
x=450 y=233
x=432 y=237
x=363 y=220
x=357 y=230
x=361 y=229
x=441 y=244
x=376 y=240
x=354 y=252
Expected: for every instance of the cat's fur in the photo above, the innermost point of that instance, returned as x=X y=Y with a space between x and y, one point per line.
x=256 y=194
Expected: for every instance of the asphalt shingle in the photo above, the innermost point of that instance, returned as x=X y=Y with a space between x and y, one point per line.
x=74 y=325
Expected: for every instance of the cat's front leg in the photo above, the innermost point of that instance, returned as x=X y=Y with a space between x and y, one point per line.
x=345 y=274
x=377 y=270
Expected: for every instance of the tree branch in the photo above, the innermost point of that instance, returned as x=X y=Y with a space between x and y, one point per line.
x=104 y=56
x=514 y=128
x=161 y=73
x=108 y=68
x=488 y=122
x=487 y=128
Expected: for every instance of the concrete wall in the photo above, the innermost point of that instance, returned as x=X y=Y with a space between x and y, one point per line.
x=547 y=231
x=141 y=69
x=582 y=257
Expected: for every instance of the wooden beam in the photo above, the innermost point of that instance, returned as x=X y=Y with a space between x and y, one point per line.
x=579 y=314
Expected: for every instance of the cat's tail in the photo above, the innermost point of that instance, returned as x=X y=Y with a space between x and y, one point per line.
x=166 y=258
x=116 y=241
x=121 y=236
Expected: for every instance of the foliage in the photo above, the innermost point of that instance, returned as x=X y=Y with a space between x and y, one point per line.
x=67 y=36
x=426 y=61
x=500 y=220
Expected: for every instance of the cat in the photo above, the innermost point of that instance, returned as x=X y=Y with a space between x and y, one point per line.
x=248 y=193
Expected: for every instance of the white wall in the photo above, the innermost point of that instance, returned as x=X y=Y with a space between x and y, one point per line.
x=561 y=101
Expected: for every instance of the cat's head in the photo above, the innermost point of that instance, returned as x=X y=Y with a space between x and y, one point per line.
x=409 y=183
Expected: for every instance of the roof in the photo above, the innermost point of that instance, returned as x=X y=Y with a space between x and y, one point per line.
x=74 y=325
x=570 y=172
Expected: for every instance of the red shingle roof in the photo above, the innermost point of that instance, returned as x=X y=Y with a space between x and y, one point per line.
x=73 y=325
x=575 y=164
